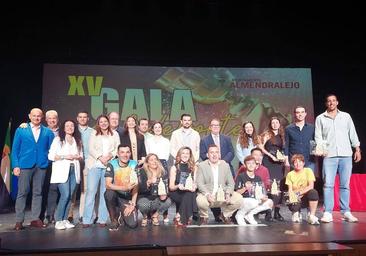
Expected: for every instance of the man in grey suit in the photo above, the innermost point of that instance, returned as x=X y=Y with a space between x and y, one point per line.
x=212 y=174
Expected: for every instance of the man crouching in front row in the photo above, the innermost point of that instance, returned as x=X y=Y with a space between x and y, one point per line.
x=215 y=185
x=120 y=192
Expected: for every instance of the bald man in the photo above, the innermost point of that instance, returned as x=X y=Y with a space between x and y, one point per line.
x=29 y=161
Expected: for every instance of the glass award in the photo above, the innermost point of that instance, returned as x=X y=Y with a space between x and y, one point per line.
x=258 y=191
x=189 y=183
x=274 y=188
x=161 y=188
x=293 y=198
x=220 y=195
x=319 y=148
x=280 y=156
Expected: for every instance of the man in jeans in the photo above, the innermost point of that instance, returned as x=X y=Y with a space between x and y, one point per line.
x=29 y=159
x=337 y=129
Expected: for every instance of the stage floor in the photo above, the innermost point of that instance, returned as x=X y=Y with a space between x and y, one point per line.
x=95 y=238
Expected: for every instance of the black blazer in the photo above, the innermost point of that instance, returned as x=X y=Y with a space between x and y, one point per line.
x=141 y=150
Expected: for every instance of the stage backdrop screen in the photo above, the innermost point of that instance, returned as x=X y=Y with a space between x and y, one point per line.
x=234 y=95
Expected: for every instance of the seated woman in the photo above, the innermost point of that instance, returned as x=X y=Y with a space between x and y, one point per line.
x=184 y=199
x=301 y=190
x=251 y=203
x=151 y=201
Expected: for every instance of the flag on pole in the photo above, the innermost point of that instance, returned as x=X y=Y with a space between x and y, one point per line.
x=5 y=160
x=6 y=177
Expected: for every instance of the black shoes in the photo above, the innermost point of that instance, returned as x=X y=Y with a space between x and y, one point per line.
x=277 y=216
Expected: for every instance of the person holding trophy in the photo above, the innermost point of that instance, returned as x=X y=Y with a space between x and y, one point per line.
x=301 y=191
x=153 y=197
x=182 y=187
x=335 y=132
x=273 y=141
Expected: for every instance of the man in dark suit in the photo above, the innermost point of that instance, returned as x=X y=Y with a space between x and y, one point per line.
x=29 y=156
x=221 y=140
x=226 y=151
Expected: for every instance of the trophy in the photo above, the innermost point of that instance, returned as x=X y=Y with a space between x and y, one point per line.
x=161 y=188
x=274 y=188
x=183 y=178
x=280 y=156
x=293 y=198
x=220 y=195
x=189 y=183
x=258 y=191
x=319 y=148
x=133 y=177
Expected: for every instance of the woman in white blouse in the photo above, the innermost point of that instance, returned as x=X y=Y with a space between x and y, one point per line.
x=65 y=152
x=103 y=145
x=160 y=146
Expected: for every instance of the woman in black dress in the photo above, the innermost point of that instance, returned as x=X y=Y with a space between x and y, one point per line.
x=185 y=200
x=273 y=141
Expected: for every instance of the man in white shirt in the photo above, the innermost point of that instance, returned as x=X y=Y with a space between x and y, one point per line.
x=336 y=128
x=185 y=136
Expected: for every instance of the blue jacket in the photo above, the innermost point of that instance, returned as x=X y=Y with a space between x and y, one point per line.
x=26 y=152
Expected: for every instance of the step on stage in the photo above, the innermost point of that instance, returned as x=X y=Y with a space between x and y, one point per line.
x=275 y=238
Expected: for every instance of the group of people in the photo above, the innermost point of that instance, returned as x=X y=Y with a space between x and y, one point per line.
x=123 y=170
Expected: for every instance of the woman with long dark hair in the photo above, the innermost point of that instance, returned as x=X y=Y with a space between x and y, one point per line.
x=273 y=141
x=65 y=152
x=131 y=136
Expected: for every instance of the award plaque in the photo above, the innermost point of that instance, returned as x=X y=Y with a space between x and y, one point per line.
x=183 y=178
x=189 y=183
x=220 y=195
x=161 y=188
x=318 y=148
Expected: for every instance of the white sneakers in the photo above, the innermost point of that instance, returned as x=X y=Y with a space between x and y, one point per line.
x=296 y=217
x=313 y=220
x=241 y=219
x=63 y=224
x=347 y=216
x=327 y=217
x=250 y=218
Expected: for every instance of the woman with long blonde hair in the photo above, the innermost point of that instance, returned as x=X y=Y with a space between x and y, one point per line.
x=150 y=202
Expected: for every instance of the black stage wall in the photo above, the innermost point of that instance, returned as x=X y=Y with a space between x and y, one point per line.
x=329 y=39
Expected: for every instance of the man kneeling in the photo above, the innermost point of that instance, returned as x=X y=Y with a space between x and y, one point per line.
x=215 y=185
x=252 y=203
x=120 y=191
x=301 y=190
